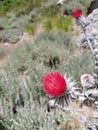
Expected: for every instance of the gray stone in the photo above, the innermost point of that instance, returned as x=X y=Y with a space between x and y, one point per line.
x=91 y=31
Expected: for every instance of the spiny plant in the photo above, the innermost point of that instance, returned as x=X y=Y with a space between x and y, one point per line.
x=22 y=98
x=19 y=108
x=34 y=116
x=53 y=51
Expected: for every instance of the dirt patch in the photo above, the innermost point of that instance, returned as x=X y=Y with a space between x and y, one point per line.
x=85 y=116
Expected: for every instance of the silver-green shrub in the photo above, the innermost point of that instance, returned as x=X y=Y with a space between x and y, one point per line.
x=22 y=99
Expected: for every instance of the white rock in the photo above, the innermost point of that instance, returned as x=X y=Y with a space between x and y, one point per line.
x=87 y=80
x=91 y=29
x=96 y=102
x=51 y=103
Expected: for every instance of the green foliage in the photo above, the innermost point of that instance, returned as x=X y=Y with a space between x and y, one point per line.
x=10 y=35
x=48 y=25
x=31 y=28
x=12 y=28
x=2 y=127
x=33 y=116
x=3 y=52
x=80 y=64
x=22 y=98
x=75 y=4
x=52 y=50
x=58 y=23
x=86 y=3
x=20 y=22
x=3 y=21
x=37 y=2
x=49 y=11
x=64 y=23
x=18 y=6
x=10 y=4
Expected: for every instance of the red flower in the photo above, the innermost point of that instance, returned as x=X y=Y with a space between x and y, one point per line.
x=54 y=84
x=77 y=13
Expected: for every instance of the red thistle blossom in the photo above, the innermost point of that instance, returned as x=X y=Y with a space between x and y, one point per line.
x=54 y=84
x=77 y=13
